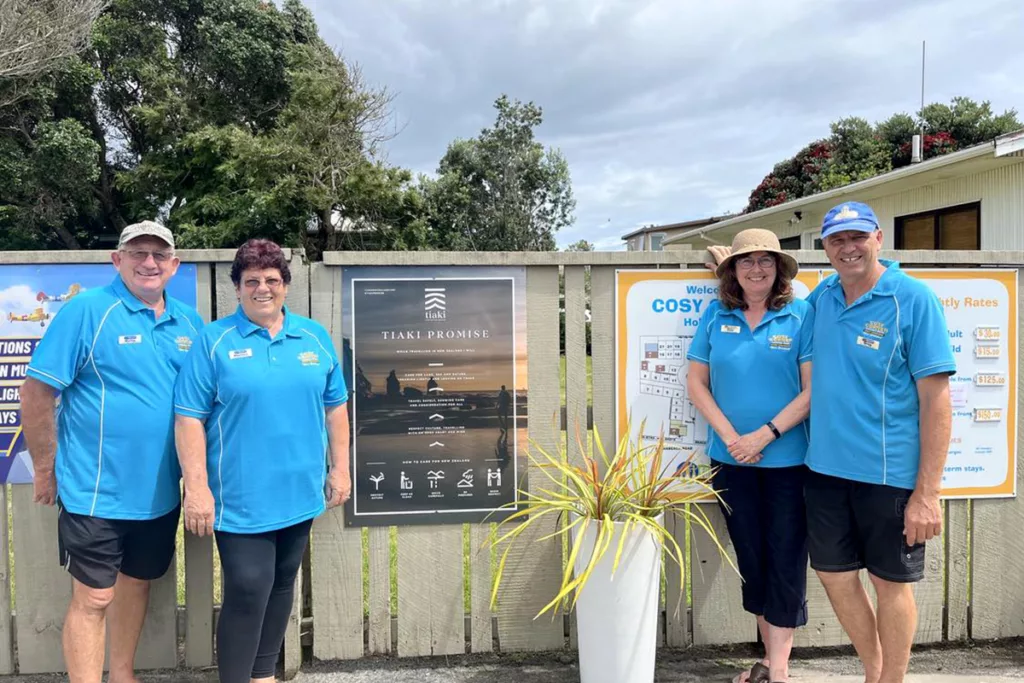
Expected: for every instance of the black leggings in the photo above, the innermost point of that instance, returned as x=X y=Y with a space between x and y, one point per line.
x=259 y=588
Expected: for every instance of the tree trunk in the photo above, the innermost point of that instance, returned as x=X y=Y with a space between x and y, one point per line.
x=67 y=237
x=104 y=191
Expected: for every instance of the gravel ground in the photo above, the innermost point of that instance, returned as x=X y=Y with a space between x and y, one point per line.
x=1001 y=662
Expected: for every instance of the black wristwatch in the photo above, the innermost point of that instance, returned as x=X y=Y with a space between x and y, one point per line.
x=775 y=430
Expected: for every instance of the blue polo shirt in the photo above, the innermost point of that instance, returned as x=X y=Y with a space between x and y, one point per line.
x=755 y=374
x=868 y=358
x=114 y=365
x=263 y=403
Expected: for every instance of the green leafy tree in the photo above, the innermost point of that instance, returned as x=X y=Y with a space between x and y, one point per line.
x=856 y=150
x=580 y=245
x=227 y=119
x=500 y=191
x=49 y=163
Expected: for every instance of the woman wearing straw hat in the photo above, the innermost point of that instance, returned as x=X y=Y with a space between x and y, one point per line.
x=750 y=377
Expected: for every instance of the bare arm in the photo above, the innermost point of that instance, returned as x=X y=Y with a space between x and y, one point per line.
x=337 y=434
x=190 y=440
x=339 y=481
x=798 y=409
x=40 y=426
x=698 y=385
x=923 y=519
x=935 y=425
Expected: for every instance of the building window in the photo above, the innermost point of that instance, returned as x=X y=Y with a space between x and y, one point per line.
x=956 y=227
x=813 y=242
x=790 y=242
x=656 y=239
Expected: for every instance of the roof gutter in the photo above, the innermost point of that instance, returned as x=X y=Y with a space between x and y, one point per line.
x=1011 y=143
x=859 y=186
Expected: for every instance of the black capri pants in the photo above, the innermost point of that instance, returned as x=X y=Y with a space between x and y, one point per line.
x=259 y=588
x=765 y=514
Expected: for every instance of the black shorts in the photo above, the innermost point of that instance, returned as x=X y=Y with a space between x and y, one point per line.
x=852 y=525
x=93 y=550
x=767 y=524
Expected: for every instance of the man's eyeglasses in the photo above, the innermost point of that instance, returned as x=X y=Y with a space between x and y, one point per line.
x=143 y=254
x=270 y=282
x=747 y=262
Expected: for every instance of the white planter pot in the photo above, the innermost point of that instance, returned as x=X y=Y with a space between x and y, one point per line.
x=617 y=616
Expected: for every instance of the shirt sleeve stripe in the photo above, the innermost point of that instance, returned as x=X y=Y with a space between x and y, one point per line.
x=185 y=410
x=693 y=356
x=43 y=376
x=809 y=356
x=338 y=402
x=934 y=368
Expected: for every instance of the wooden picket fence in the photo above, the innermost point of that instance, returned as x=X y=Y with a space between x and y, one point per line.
x=974 y=586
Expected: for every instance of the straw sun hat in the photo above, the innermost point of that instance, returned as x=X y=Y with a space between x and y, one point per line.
x=756 y=239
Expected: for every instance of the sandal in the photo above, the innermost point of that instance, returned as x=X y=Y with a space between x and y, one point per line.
x=758 y=674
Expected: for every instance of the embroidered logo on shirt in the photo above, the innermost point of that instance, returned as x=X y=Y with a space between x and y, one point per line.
x=875 y=329
x=240 y=353
x=731 y=329
x=130 y=339
x=184 y=343
x=868 y=343
x=309 y=358
x=781 y=342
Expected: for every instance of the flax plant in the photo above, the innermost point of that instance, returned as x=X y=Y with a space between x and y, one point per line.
x=633 y=490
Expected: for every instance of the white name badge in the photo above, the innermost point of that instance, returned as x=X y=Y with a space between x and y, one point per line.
x=240 y=353
x=130 y=339
x=867 y=343
x=731 y=329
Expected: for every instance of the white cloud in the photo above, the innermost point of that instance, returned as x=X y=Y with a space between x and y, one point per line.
x=18 y=299
x=666 y=110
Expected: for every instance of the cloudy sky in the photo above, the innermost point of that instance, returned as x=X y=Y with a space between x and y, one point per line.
x=669 y=110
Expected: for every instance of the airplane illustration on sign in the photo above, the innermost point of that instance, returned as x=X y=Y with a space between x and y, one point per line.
x=73 y=290
x=36 y=316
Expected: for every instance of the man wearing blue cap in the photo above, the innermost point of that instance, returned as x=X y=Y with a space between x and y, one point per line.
x=106 y=458
x=880 y=427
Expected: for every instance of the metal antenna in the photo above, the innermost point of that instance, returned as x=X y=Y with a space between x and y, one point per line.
x=922 y=92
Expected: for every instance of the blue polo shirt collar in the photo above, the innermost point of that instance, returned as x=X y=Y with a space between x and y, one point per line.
x=769 y=315
x=886 y=286
x=131 y=302
x=247 y=327
x=135 y=305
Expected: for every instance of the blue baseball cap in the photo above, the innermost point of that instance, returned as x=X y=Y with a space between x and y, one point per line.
x=849 y=216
